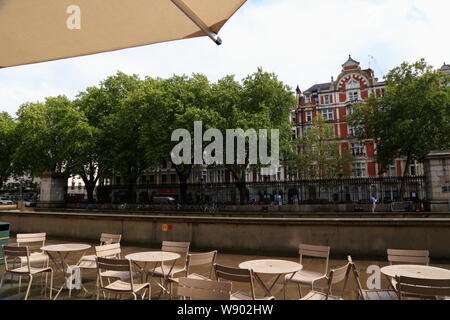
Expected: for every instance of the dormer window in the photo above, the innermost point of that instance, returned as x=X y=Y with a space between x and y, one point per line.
x=353 y=84
x=308 y=99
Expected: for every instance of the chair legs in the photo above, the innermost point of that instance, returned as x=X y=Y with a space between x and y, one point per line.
x=300 y=290
x=3 y=279
x=29 y=287
x=51 y=283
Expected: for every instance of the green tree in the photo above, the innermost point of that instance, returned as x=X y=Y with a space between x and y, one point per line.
x=50 y=134
x=412 y=119
x=8 y=145
x=96 y=155
x=170 y=104
x=318 y=155
x=261 y=101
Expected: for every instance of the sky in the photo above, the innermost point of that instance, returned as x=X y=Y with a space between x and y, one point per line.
x=303 y=41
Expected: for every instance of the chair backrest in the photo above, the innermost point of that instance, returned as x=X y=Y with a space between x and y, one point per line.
x=16 y=252
x=111 y=251
x=31 y=239
x=408 y=256
x=120 y=265
x=338 y=275
x=204 y=289
x=425 y=288
x=181 y=248
x=201 y=259
x=357 y=277
x=107 y=238
x=235 y=274
x=323 y=252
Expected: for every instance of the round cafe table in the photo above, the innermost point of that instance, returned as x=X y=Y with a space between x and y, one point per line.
x=59 y=254
x=416 y=271
x=277 y=268
x=155 y=259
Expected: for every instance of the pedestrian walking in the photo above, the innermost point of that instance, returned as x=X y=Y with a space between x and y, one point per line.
x=374 y=201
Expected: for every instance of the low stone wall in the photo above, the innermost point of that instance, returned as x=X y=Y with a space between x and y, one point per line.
x=362 y=238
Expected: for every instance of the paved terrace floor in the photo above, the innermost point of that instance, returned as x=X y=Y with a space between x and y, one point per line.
x=10 y=289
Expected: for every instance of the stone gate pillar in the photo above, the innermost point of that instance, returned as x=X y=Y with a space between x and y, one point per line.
x=437 y=173
x=53 y=191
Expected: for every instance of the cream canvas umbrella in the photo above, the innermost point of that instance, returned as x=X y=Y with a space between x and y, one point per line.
x=42 y=30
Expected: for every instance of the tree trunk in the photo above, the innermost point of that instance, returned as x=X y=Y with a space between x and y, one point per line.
x=405 y=175
x=132 y=193
x=183 y=190
x=183 y=172
x=90 y=187
x=242 y=187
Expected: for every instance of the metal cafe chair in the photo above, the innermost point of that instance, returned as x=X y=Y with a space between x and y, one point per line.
x=308 y=277
x=26 y=270
x=198 y=289
x=335 y=276
x=239 y=275
x=119 y=287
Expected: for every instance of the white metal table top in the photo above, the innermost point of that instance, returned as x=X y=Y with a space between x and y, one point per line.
x=416 y=271
x=70 y=247
x=153 y=256
x=272 y=267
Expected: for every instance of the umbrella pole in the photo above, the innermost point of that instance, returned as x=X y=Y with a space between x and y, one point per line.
x=197 y=20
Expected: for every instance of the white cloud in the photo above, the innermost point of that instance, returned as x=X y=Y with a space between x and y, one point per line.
x=304 y=41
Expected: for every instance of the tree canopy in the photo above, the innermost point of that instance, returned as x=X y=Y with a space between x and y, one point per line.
x=411 y=119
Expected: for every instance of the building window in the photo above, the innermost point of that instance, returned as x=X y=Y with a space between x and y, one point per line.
x=316 y=98
x=144 y=180
x=164 y=179
x=152 y=179
x=349 y=110
x=118 y=180
x=294 y=116
x=392 y=171
x=308 y=99
x=327 y=114
x=80 y=185
x=353 y=96
x=308 y=116
x=173 y=178
x=413 y=170
x=357 y=150
x=351 y=131
x=446 y=189
x=326 y=99
x=359 y=170
x=353 y=85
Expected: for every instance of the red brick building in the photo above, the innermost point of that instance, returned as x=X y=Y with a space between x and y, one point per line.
x=335 y=100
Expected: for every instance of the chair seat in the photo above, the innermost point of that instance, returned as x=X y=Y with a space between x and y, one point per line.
x=33 y=270
x=379 y=295
x=159 y=273
x=191 y=276
x=241 y=295
x=88 y=262
x=122 y=275
x=315 y=295
x=121 y=286
x=306 y=277
x=35 y=258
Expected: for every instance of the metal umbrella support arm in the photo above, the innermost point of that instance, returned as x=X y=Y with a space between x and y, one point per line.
x=197 y=20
